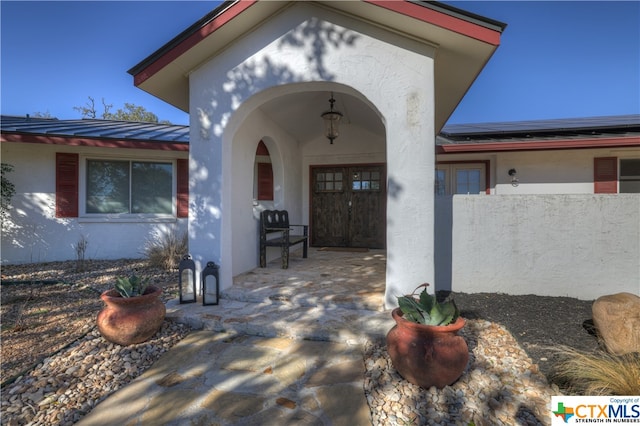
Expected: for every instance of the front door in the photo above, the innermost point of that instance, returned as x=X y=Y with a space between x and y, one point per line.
x=348 y=206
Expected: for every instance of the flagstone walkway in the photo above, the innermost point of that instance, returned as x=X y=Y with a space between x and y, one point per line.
x=283 y=347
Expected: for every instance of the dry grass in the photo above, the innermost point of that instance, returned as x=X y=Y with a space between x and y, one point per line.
x=599 y=373
x=166 y=249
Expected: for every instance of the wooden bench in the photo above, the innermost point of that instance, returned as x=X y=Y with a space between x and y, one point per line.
x=277 y=221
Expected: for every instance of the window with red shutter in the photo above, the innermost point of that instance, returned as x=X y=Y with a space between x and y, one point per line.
x=605 y=175
x=67 y=166
x=264 y=174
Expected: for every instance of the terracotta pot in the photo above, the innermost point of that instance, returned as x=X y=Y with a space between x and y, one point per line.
x=129 y=320
x=427 y=355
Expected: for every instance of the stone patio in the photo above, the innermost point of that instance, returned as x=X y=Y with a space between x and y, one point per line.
x=332 y=296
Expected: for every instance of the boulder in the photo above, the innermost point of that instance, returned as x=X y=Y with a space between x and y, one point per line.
x=617 y=319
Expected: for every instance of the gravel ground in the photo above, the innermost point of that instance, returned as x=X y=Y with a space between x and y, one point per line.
x=46 y=306
x=536 y=322
x=500 y=386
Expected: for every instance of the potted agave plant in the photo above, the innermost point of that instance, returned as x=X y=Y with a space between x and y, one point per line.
x=424 y=346
x=133 y=311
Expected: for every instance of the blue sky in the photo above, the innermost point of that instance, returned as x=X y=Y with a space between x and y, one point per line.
x=557 y=59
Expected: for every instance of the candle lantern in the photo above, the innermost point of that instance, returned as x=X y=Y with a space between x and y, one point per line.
x=187 y=279
x=210 y=284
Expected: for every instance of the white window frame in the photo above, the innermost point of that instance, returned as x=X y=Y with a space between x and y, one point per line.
x=126 y=217
x=451 y=169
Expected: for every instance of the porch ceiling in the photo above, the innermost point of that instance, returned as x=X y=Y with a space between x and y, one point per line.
x=464 y=42
x=299 y=113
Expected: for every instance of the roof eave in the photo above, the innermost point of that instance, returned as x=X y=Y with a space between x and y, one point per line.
x=92 y=142
x=164 y=73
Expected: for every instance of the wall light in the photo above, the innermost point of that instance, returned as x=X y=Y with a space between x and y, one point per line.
x=514 y=178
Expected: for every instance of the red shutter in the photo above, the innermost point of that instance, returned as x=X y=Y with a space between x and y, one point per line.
x=182 y=179
x=605 y=175
x=67 y=166
x=265 y=181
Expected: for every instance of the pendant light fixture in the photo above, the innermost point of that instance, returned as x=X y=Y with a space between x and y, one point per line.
x=331 y=121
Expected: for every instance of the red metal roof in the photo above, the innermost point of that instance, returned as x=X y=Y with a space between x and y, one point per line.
x=93 y=132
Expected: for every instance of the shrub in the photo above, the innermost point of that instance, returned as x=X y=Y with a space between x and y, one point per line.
x=599 y=373
x=426 y=309
x=166 y=249
x=81 y=249
x=8 y=191
x=131 y=287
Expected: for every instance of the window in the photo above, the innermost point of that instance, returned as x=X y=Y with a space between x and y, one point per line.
x=630 y=175
x=612 y=175
x=460 y=178
x=263 y=171
x=329 y=182
x=365 y=181
x=129 y=187
x=468 y=181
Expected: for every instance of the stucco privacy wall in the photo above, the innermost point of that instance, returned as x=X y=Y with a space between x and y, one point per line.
x=307 y=43
x=576 y=245
x=37 y=235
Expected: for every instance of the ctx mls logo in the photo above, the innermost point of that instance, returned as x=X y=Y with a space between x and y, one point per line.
x=564 y=412
x=595 y=409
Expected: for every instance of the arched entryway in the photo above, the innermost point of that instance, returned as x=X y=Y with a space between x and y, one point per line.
x=281 y=141
x=277 y=94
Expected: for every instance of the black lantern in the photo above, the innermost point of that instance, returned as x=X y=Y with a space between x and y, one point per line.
x=210 y=286
x=187 y=279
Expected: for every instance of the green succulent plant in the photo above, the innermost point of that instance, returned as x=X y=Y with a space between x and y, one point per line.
x=132 y=286
x=425 y=309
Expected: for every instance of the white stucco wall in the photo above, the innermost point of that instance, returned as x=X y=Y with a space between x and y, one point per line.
x=543 y=172
x=581 y=246
x=553 y=172
x=36 y=235
x=392 y=74
x=284 y=153
x=355 y=146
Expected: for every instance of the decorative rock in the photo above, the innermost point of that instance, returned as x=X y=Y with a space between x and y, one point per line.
x=50 y=395
x=617 y=318
x=496 y=362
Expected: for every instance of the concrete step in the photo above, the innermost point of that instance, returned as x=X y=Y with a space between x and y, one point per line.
x=300 y=296
x=280 y=318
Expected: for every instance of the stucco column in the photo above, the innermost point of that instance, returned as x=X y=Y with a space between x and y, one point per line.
x=206 y=196
x=410 y=198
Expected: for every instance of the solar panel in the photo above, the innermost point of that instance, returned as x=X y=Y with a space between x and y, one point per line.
x=542 y=125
